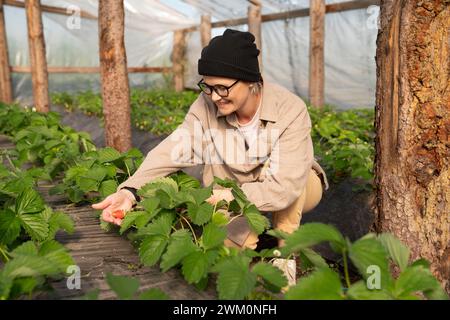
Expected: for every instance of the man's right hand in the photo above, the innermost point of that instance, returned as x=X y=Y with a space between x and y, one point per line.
x=115 y=206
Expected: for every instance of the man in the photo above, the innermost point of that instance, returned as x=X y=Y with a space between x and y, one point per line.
x=239 y=128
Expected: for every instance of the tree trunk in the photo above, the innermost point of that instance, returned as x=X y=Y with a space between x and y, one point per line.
x=412 y=171
x=6 y=94
x=316 y=53
x=38 y=62
x=205 y=29
x=113 y=68
x=178 y=59
x=254 y=27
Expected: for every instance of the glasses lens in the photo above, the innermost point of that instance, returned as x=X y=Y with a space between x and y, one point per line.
x=221 y=90
x=204 y=88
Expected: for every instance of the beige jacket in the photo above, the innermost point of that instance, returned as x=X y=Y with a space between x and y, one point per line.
x=209 y=138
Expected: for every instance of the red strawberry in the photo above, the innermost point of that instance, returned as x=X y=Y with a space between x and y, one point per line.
x=118 y=214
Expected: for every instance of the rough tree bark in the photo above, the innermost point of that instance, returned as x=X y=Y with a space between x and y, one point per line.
x=205 y=29
x=38 y=62
x=178 y=59
x=254 y=27
x=114 y=76
x=412 y=171
x=316 y=53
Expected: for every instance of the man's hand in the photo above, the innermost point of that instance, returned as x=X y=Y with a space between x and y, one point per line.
x=220 y=194
x=115 y=206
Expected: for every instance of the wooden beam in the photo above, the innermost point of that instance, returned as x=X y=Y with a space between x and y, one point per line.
x=114 y=77
x=38 y=62
x=50 y=9
x=329 y=8
x=255 y=2
x=205 y=30
x=316 y=53
x=254 y=27
x=6 y=94
x=25 y=69
x=178 y=57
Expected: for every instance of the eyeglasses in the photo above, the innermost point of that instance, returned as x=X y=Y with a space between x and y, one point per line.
x=220 y=89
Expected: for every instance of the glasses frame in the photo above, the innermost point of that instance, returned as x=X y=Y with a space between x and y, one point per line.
x=213 y=88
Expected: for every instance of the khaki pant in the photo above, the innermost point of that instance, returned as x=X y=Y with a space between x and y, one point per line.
x=287 y=220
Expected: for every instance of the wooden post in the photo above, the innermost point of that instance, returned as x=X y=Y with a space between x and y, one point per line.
x=38 y=62
x=114 y=76
x=205 y=29
x=5 y=75
x=316 y=53
x=179 y=49
x=254 y=27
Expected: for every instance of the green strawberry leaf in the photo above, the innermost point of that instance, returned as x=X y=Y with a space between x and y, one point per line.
x=124 y=287
x=270 y=274
x=200 y=214
x=213 y=236
x=9 y=226
x=323 y=284
x=152 y=248
x=257 y=222
x=180 y=245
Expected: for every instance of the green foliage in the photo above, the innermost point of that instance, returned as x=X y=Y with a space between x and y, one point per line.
x=372 y=256
x=127 y=288
x=42 y=140
x=174 y=225
x=99 y=171
x=28 y=264
x=344 y=143
x=156 y=111
x=28 y=253
x=323 y=284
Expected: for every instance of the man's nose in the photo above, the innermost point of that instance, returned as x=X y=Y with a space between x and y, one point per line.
x=215 y=97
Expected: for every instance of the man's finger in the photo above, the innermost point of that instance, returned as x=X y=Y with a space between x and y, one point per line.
x=103 y=204
x=106 y=216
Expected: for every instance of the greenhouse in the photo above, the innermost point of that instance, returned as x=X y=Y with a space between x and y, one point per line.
x=224 y=150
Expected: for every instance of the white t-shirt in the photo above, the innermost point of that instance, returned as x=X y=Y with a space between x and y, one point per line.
x=250 y=129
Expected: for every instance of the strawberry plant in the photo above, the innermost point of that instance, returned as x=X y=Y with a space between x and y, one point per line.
x=28 y=253
x=40 y=139
x=344 y=143
x=174 y=225
x=373 y=256
x=127 y=288
x=156 y=111
x=98 y=171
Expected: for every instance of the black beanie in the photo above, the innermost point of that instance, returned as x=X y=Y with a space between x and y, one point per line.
x=231 y=55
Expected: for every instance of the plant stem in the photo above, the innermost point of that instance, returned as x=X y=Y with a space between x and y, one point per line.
x=231 y=220
x=3 y=252
x=347 y=278
x=13 y=167
x=192 y=230
x=128 y=170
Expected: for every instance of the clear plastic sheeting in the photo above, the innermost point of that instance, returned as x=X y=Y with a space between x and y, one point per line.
x=350 y=44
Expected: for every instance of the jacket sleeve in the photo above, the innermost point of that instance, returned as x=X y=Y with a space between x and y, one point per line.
x=177 y=151
x=291 y=160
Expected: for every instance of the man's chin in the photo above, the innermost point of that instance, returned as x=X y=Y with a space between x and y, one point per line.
x=225 y=110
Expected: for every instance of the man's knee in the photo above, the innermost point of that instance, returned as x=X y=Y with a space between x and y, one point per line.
x=313 y=191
